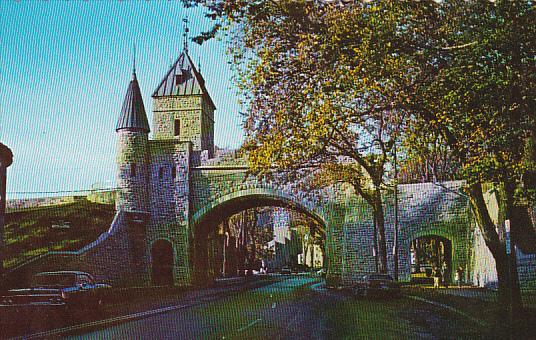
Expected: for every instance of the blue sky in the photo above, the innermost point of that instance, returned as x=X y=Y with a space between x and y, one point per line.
x=64 y=71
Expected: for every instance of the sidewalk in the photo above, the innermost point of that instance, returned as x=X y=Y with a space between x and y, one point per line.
x=482 y=294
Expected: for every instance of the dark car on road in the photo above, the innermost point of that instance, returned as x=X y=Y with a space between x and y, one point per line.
x=286 y=271
x=377 y=285
x=61 y=289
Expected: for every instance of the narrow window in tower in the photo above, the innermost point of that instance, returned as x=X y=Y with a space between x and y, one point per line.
x=133 y=169
x=160 y=173
x=177 y=129
x=173 y=172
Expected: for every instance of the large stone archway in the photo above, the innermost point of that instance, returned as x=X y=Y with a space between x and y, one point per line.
x=205 y=221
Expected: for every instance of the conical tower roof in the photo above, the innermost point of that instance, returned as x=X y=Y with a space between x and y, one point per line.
x=183 y=79
x=133 y=114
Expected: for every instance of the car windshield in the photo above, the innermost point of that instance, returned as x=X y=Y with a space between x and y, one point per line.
x=54 y=280
x=380 y=277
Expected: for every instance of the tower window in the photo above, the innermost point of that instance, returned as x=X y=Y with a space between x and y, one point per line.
x=133 y=169
x=160 y=173
x=177 y=129
x=174 y=172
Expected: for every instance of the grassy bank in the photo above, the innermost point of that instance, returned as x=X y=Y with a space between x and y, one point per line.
x=32 y=232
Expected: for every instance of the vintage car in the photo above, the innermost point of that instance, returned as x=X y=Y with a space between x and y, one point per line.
x=286 y=270
x=377 y=285
x=61 y=288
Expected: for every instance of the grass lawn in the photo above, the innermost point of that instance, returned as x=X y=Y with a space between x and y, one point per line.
x=482 y=305
x=29 y=233
x=396 y=319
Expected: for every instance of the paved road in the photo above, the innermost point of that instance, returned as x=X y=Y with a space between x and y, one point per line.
x=294 y=308
x=256 y=313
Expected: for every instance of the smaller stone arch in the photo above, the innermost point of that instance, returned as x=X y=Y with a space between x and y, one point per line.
x=162 y=263
x=449 y=260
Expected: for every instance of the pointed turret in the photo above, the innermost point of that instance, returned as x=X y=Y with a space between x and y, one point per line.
x=133 y=114
x=132 y=151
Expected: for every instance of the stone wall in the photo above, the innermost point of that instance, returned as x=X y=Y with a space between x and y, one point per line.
x=428 y=209
x=526 y=269
x=424 y=210
x=28 y=203
x=169 y=208
x=102 y=197
x=483 y=272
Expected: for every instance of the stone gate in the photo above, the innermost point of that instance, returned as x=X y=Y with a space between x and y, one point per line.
x=174 y=186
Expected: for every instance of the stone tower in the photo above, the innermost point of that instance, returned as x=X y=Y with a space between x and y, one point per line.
x=133 y=152
x=183 y=109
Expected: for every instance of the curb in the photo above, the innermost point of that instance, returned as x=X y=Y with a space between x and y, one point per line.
x=450 y=308
x=100 y=323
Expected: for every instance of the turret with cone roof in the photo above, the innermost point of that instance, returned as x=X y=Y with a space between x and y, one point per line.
x=132 y=151
x=133 y=114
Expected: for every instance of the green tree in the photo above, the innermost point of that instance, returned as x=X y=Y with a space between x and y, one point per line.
x=322 y=82
x=323 y=87
x=480 y=100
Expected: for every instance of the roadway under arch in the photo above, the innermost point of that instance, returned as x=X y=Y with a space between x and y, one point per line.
x=205 y=222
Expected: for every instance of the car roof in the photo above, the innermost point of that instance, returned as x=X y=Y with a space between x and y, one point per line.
x=64 y=272
x=378 y=275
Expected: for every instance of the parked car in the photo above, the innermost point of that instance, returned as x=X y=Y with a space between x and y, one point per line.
x=61 y=288
x=376 y=285
x=286 y=270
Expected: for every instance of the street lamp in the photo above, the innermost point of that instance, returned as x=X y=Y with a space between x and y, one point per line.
x=6 y=158
x=395 y=237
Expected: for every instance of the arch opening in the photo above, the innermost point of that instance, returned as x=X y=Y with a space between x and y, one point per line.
x=162 y=263
x=431 y=256
x=256 y=234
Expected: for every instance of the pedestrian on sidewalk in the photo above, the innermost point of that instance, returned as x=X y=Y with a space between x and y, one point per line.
x=437 y=277
x=459 y=275
x=444 y=274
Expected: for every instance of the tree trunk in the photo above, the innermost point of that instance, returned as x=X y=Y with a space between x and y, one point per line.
x=252 y=230
x=516 y=303
x=225 y=247
x=503 y=282
x=380 y=230
x=417 y=256
x=395 y=236
x=312 y=256
x=496 y=244
x=436 y=253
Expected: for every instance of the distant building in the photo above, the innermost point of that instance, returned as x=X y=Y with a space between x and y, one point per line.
x=312 y=256
x=286 y=244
